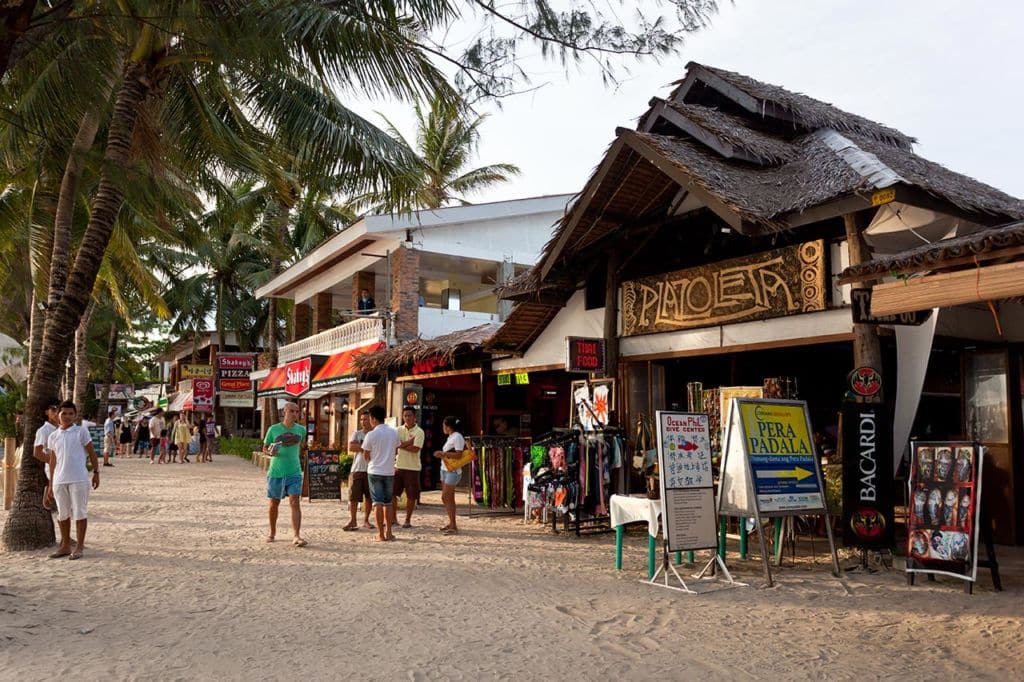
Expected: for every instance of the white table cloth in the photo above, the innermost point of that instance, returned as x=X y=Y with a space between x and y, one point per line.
x=626 y=509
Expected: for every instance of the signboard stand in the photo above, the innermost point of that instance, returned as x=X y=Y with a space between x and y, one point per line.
x=688 y=519
x=947 y=514
x=770 y=468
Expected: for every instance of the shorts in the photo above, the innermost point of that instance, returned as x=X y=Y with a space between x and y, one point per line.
x=281 y=487
x=451 y=478
x=156 y=446
x=359 y=489
x=144 y=443
x=407 y=481
x=72 y=500
x=382 y=489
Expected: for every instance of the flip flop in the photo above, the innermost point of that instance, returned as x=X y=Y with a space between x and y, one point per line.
x=390 y=538
x=450 y=531
x=444 y=528
x=58 y=555
x=268 y=539
x=299 y=542
x=74 y=555
x=350 y=528
x=406 y=525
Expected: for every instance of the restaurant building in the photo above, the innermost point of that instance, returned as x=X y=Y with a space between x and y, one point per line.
x=426 y=276
x=704 y=253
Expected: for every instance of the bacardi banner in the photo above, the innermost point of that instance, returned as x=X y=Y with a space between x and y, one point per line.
x=867 y=477
x=785 y=281
x=234 y=387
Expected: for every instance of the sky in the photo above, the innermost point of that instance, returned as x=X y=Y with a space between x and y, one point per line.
x=946 y=72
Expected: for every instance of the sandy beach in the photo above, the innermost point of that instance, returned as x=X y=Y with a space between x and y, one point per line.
x=177 y=584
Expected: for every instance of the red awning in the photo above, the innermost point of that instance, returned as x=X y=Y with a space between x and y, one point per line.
x=273 y=383
x=338 y=368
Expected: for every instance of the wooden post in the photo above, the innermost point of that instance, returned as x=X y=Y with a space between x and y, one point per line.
x=867 y=351
x=611 y=315
x=10 y=471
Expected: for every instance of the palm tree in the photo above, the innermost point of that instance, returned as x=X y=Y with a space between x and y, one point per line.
x=447 y=136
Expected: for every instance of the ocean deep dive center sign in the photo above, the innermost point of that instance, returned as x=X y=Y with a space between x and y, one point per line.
x=785 y=281
x=687 y=486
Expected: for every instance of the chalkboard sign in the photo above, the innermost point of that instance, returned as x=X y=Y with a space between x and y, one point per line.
x=323 y=472
x=96 y=434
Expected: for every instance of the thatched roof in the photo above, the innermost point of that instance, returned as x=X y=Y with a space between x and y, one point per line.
x=762 y=158
x=418 y=350
x=777 y=102
x=1003 y=243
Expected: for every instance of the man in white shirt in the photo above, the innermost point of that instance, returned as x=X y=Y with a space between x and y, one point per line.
x=156 y=428
x=380 y=446
x=68 y=447
x=39 y=447
x=359 y=482
x=109 y=438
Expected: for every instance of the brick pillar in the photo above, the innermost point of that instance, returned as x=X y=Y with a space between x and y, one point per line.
x=405 y=292
x=322 y=312
x=364 y=280
x=506 y=271
x=300 y=322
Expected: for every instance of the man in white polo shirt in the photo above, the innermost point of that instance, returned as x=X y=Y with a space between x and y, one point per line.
x=68 y=447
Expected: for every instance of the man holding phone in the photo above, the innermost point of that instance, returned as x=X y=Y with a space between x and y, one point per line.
x=283 y=443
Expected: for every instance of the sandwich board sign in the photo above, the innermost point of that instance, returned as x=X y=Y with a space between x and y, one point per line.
x=687 y=489
x=770 y=467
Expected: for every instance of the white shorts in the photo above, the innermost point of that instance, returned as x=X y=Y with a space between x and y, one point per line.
x=72 y=500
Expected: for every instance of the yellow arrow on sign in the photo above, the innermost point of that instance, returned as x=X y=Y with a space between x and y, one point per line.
x=799 y=473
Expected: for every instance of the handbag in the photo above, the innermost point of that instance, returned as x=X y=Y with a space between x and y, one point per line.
x=456 y=460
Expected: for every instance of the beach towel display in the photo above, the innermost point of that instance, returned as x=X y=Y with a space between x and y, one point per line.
x=497 y=470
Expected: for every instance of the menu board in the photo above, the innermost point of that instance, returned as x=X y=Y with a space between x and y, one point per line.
x=323 y=473
x=96 y=435
x=942 y=525
x=687 y=483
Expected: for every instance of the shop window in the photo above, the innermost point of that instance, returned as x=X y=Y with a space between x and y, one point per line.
x=986 y=409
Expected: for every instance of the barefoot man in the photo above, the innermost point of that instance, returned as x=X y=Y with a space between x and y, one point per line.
x=67 y=448
x=39 y=448
x=359 y=483
x=284 y=478
x=380 y=446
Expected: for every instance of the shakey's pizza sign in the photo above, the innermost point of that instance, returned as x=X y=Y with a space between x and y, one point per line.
x=298 y=375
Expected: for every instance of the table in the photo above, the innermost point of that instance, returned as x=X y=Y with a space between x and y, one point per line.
x=628 y=509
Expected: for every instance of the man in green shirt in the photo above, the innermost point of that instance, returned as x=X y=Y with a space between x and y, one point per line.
x=284 y=478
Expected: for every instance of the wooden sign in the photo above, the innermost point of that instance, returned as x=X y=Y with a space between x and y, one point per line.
x=860 y=300
x=192 y=371
x=786 y=281
x=323 y=472
x=687 y=483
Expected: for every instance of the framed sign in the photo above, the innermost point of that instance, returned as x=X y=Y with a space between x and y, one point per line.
x=592 y=403
x=770 y=467
x=584 y=355
x=687 y=486
x=942 y=524
x=323 y=471
x=192 y=371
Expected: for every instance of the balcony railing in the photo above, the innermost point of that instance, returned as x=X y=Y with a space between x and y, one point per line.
x=359 y=331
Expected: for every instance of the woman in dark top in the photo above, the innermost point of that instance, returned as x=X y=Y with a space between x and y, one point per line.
x=126 y=438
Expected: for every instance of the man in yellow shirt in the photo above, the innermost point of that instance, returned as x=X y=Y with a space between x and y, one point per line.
x=407 y=466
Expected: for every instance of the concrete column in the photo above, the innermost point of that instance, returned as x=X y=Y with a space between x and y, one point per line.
x=322 y=313
x=405 y=292
x=300 y=321
x=506 y=271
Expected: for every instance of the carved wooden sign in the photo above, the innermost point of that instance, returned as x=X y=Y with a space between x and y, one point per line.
x=785 y=281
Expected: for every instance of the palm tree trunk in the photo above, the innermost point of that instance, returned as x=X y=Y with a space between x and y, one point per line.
x=66 y=205
x=108 y=378
x=16 y=19
x=36 y=325
x=82 y=355
x=29 y=526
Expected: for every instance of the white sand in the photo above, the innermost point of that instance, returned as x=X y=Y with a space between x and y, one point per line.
x=177 y=584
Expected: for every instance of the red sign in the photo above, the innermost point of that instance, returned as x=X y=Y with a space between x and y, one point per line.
x=866 y=381
x=202 y=395
x=298 y=375
x=429 y=365
x=234 y=385
x=584 y=355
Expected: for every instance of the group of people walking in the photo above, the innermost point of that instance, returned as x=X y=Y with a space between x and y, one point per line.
x=386 y=464
x=161 y=440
